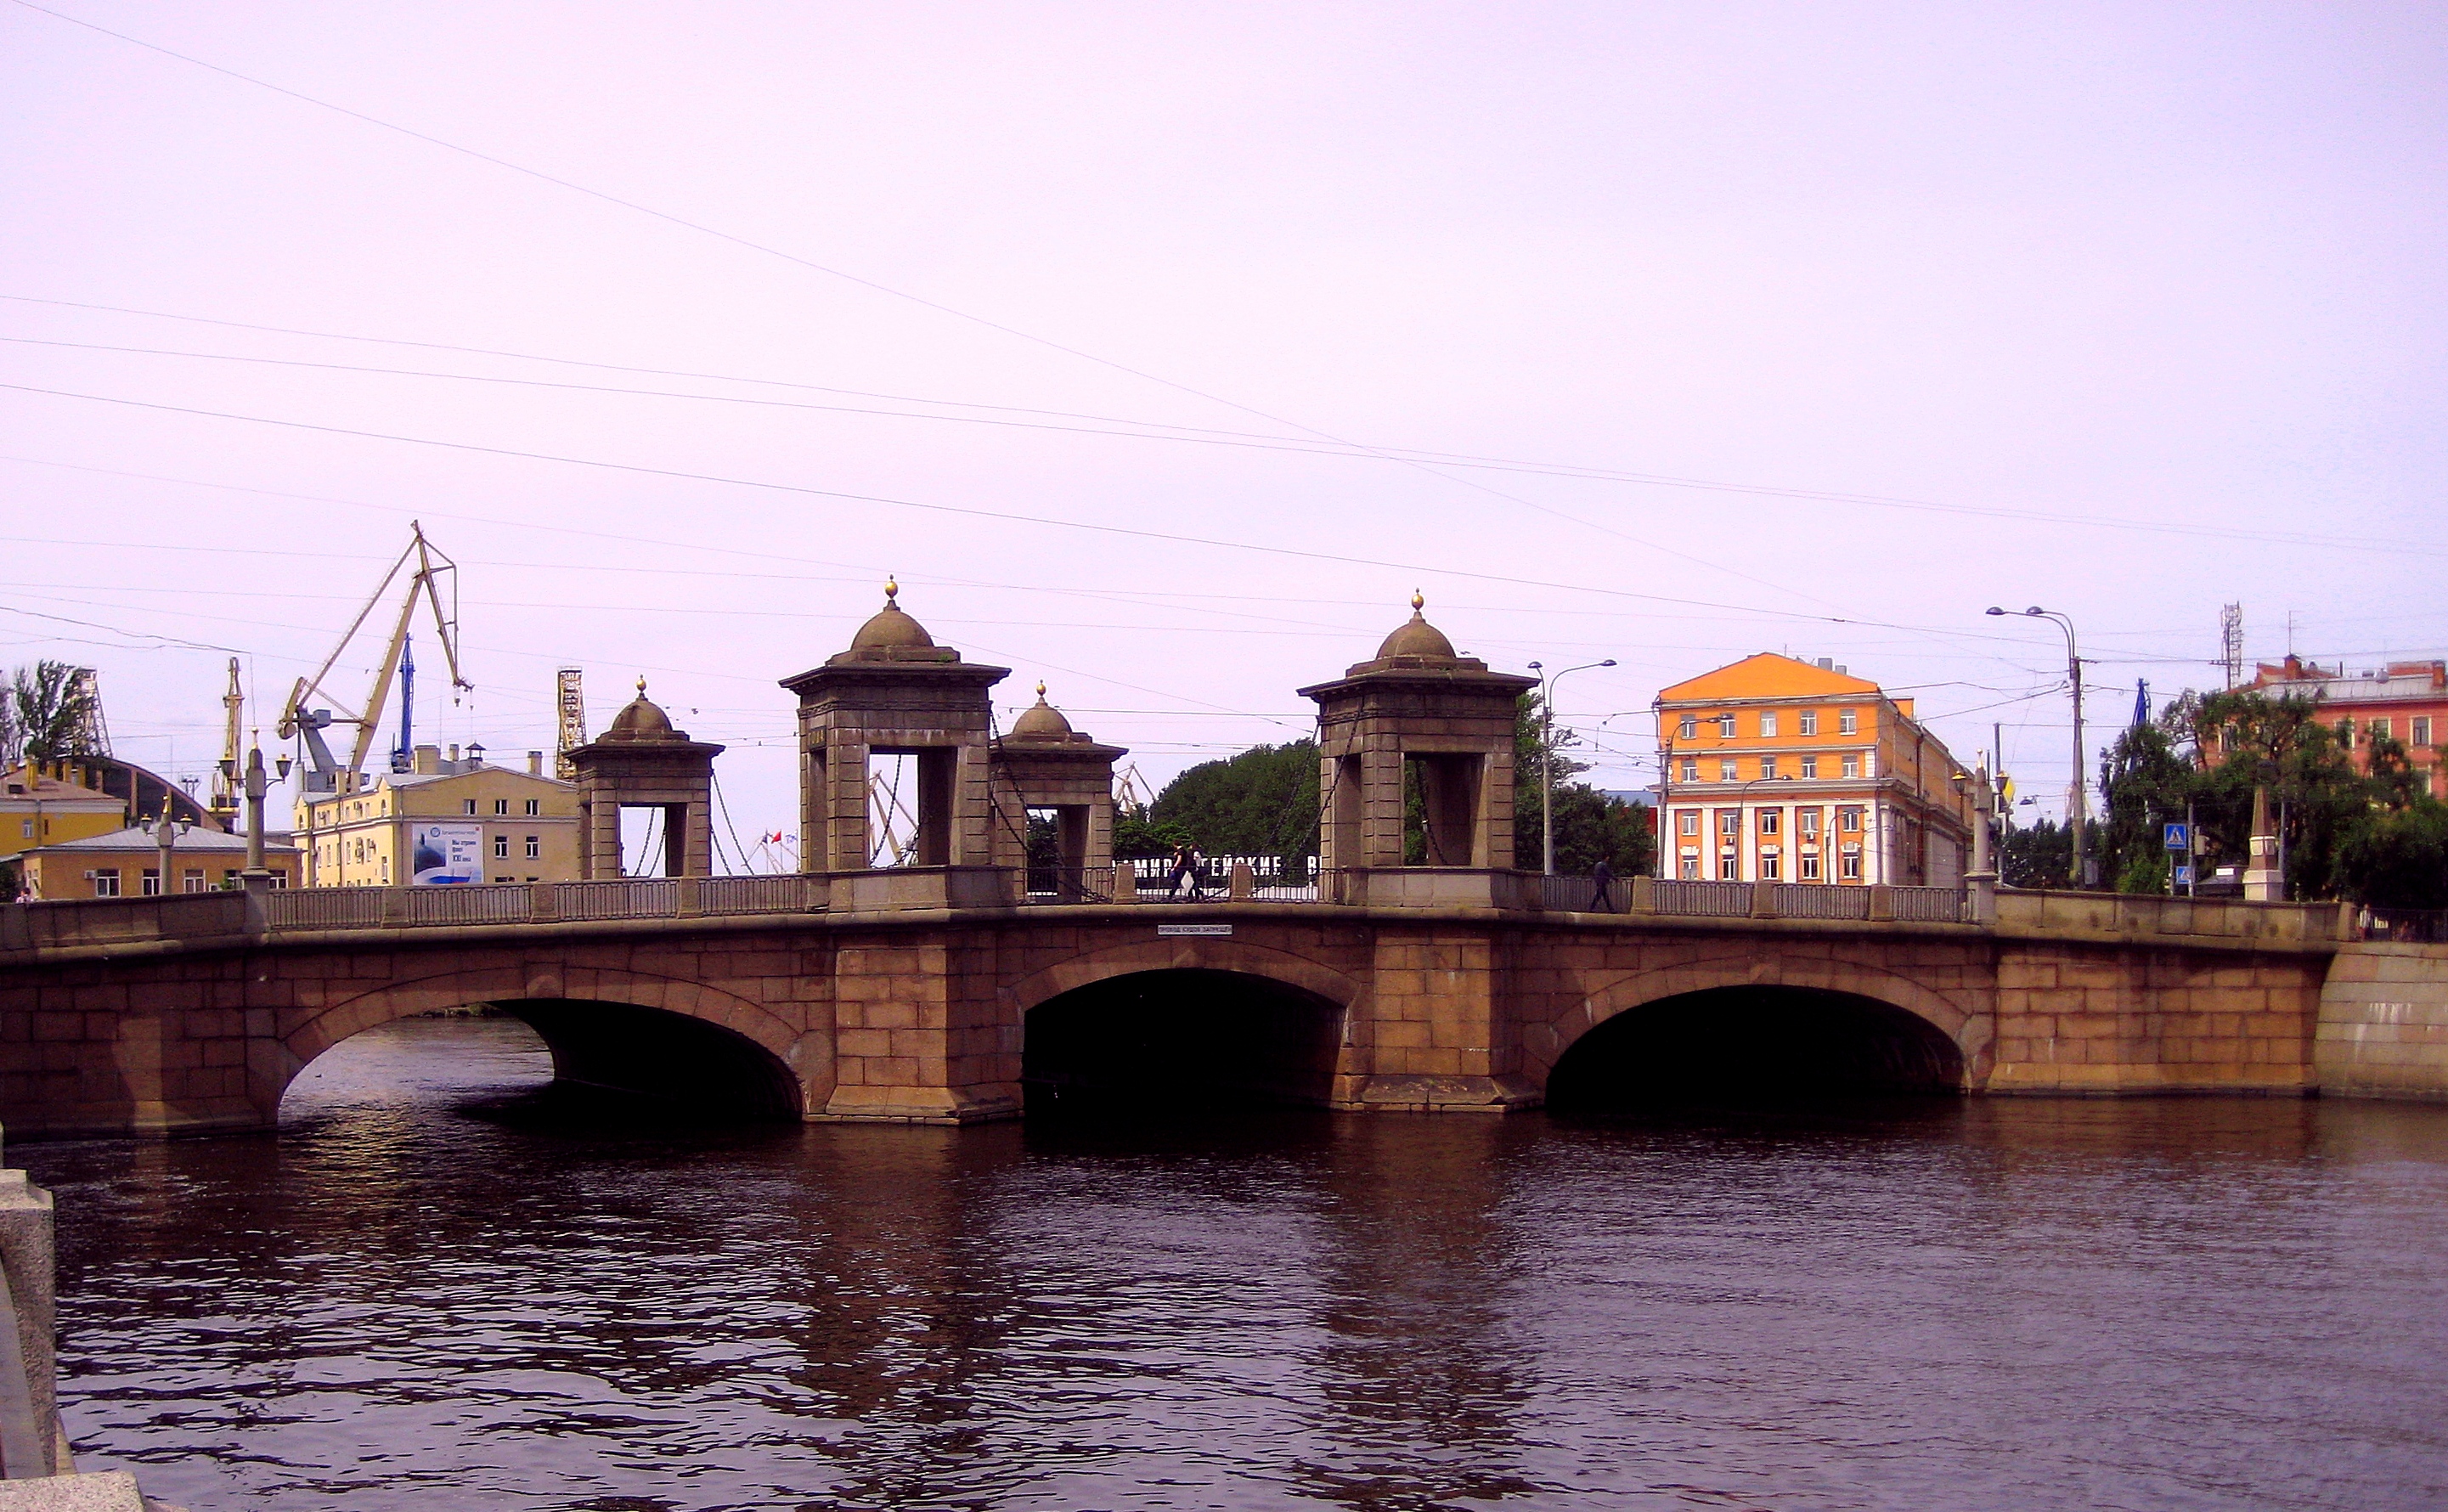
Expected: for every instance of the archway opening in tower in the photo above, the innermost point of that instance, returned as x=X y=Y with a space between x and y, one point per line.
x=1742 y=1045
x=1180 y=1038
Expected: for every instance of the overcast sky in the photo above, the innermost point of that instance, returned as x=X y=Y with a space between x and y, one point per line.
x=1660 y=332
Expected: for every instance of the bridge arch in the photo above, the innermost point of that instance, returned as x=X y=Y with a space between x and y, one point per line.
x=1874 y=1024
x=1187 y=1020
x=633 y=1030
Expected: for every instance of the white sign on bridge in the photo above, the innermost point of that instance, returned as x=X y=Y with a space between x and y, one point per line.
x=1163 y=929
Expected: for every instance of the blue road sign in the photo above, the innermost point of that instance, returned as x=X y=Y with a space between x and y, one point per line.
x=2184 y=877
x=2176 y=837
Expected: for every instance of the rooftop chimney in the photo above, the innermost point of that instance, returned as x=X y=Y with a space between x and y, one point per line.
x=535 y=763
x=429 y=761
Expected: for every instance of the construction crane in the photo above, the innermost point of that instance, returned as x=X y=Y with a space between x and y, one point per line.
x=225 y=795
x=299 y=721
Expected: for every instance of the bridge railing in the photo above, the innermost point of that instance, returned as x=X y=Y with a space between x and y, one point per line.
x=1818 y=900
x=620 y=898
x=1724 y=900
x=790 y=894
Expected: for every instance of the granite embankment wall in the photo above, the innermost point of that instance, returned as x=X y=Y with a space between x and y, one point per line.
x=2383 y=1024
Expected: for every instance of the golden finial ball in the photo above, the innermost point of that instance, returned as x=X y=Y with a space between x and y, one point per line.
x=1040 y=691
x=641 y=684
x=1418 y=601
x=892 y=589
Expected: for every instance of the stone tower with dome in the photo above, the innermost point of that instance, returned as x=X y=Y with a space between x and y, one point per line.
x=640 y=761
x=1044 y=765
x=896 y=693
x=1418 y=716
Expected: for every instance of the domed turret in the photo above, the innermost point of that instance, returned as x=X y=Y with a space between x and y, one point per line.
x=1040 y=721
x=1417 y=638
x=639 y=719
x=891 y=628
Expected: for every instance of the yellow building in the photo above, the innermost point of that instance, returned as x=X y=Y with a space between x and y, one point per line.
x=1777 y=770
x=128 y=864
x=47 y=807
x=449 y=820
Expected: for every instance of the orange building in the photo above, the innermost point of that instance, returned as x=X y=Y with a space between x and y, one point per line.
x=1783 y=771
x=2406 y=700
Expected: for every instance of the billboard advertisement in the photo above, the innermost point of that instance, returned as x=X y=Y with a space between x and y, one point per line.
x=445 y=852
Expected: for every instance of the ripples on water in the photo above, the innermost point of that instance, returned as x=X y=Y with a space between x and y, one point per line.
x=443 y=1285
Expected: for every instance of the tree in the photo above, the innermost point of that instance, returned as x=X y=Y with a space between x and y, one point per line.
x=2396 y=857
x=2036 y=855
x=2246 y=740
x=1262 y=802
x=50 y=714
x=2144 y=784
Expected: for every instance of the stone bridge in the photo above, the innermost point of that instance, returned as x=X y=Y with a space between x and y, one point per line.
x=922 y=995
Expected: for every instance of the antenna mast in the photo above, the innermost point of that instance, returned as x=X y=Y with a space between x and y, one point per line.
x=2232 y=642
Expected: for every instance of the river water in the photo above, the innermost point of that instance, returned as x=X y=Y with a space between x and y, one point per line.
x=442 y=1286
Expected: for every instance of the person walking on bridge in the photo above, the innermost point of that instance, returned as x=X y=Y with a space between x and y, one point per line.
x=1185 y=868
x=1603 y=875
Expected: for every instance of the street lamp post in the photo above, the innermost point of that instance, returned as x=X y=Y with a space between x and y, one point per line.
x=258 y=783
x=1546 y=755
x=2074 y=794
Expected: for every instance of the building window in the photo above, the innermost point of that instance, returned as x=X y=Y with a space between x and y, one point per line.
x=1770 y=820
x=535 y=848
x=1729 y=869
x=1808 y=722
x=105 y=881
x=2346 y=734
x=1771 y=868
x=1688 y=822
x=1688 y=728
x=1768 y=769
x=1688 y=868
x=2422 y=730
x=1810 y=868
x=2380 y=729
x=25 y=829
x=1726 y=726
x=506 y=879
x=1852 y=764
x=279 y=879
x=1726 y=770
x=1810 y=766
x=1808 y=820
x=534 y=808
x=1850 y=820
x=502 y=846
x=501 y=805
x=1729 y=822
x=1692 y=769
x=386 y=871
x=470 y=805
x=1849 y=721
x=1848 y=866
x=192 y=880
x=150 y=883
x=1768 y=722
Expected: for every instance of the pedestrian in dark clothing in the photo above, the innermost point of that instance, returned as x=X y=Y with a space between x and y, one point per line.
x=1604 y=875
x=1185 y=868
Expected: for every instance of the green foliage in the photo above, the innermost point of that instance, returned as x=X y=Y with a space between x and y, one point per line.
x=2146 y=784
x=1262 y=802
x=1136 y=837
x=45 y=713
x=2398 y=858
x=2034 y=857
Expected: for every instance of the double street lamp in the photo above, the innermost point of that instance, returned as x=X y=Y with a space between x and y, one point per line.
x=1547 y=750
x=2075 y=793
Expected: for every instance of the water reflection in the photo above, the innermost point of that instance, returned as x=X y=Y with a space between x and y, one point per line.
x=446 y=1284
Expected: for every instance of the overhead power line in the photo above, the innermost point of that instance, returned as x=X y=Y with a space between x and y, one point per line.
x=973 y=511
